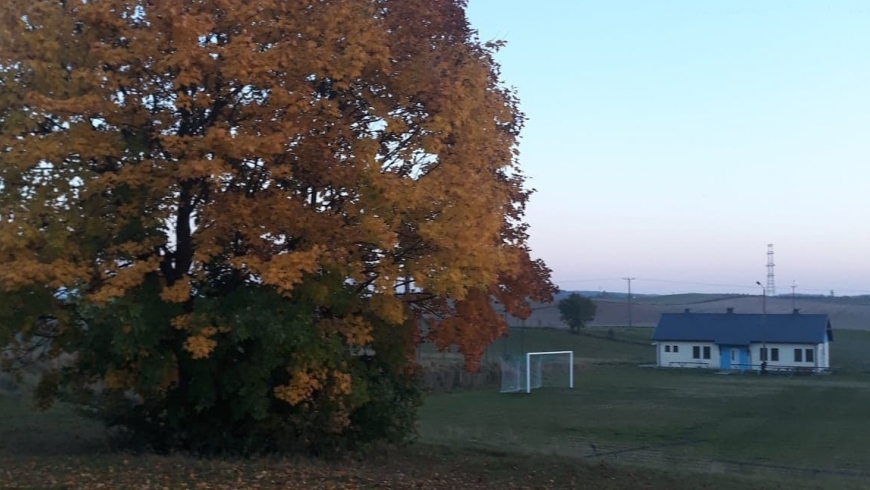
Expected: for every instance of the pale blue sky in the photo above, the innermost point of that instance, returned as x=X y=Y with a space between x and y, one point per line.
x=673 y=140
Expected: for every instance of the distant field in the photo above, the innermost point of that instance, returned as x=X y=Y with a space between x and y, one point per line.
x=682 y=299
x=845 y=313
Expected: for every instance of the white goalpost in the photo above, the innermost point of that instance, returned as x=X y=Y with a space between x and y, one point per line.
x=531 y=370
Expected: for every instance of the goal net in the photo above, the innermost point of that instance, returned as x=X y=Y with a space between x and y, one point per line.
x=533 y=370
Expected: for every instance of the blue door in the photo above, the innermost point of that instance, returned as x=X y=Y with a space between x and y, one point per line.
x=744 y=358
x=724 y=357
x=733 y=357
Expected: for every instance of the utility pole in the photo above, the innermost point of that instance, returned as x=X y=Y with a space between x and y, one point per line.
x=764 y=355
x=523 y=337
x=793 y=286
x=507 y=337
x=629 y=279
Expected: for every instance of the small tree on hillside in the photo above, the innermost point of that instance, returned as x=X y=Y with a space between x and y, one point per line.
x=577 y=311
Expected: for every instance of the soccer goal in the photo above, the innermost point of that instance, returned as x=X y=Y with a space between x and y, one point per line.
x=534 y=370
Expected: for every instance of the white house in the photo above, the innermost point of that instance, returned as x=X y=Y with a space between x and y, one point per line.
x=737 y=341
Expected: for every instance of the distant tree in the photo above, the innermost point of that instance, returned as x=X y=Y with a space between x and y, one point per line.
x=577 y=311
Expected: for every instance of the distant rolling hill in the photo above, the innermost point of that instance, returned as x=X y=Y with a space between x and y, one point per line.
x=845 y=312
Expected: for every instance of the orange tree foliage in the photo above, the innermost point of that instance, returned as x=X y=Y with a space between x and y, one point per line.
x=254 y=210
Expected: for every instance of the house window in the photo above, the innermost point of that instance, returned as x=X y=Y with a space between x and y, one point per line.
x=667 y=348
x=696 y=352
x=774 y=354
x=798 y=355
x=764 y=353
x=809 y=355
x=676 y=348
x=706 y=352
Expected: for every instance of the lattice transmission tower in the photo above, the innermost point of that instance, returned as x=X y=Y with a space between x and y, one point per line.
x=771 y=285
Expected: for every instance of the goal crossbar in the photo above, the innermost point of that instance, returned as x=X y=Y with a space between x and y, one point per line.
x=529 y=355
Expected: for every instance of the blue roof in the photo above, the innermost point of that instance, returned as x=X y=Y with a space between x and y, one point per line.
x=743 y=329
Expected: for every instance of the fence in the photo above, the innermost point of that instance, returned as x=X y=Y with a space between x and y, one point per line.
x=696 y=364
x=791 y=370
x=516 y=342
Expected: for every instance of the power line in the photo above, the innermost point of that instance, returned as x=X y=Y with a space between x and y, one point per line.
x=696 y=283
x=600 y=279
x=822 y=290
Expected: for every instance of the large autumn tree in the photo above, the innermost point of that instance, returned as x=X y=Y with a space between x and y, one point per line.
x=235 y=219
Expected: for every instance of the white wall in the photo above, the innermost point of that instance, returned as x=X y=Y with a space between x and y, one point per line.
x=684 y=354
x=825 y=354
x=821 y=357
x=786 y=355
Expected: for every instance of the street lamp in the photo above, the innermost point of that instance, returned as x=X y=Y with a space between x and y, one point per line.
x=763 y=327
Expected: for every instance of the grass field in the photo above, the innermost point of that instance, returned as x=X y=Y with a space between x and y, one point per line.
x=621 y=427
x=698 y=421
x=58 y=450
x=691 y=417
x=851 y=352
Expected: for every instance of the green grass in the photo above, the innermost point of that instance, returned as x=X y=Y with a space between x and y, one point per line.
x=653 y=429
x=58 y=449
x=696 y=420
x=57 y=431
x=693 y=419
x=850 y=352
